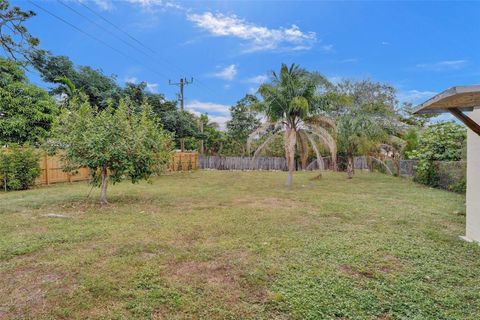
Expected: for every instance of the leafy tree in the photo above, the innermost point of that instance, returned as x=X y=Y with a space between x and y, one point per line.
x=100 y=89
x=443 y=141
x=26 y=111
x=182 y=123
x=136 y=92
x=418 y=120
x=212 y=139
x=290 y=105
x=15 y=40
x=114 y=144
x=18 y=167
x=365 y=116
x=411 y=138
x=243 y=121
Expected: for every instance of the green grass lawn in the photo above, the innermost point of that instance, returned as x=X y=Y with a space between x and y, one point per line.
x=238 y=245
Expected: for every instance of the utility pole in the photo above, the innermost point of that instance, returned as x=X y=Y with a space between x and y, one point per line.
x=201 y=148
x=183 y=82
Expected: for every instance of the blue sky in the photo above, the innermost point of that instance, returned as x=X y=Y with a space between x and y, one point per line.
x=229 y=47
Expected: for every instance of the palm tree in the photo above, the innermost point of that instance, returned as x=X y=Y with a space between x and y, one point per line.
x=366 y=118
x=69 y=90
x=290 y=104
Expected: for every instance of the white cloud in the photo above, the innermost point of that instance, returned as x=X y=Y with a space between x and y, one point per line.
x=151 y=5
x=385 y=43
x=443 y=65
x=260 y=79
x=257 y=38
x=221 y=120
x=218 y=113
x=103 y=4
x=415 y=96
x=228 y=73
x=203 y=107
x=152 y=87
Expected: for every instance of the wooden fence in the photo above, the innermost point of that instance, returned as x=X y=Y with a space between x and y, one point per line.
x=184 y=161
x=52 y=171
x=407 y=167
x=265 y=163
x=52 y=168
x=242 y=163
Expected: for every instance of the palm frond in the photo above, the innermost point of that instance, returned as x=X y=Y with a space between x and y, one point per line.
x=328 y=140
x=262 y=147
x=323 y=121
x=383 y=164
x=258 y=132
x=321 y=167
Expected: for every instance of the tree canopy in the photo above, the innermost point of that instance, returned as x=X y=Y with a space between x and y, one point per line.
x=15 y=39
x=115 y=144
x=100 y=89
x=244 y=120
x=365 y=115
x=26 y=111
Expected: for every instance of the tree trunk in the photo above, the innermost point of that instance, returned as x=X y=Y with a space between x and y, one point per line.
x=182 y=144
x=103 y=188
x=290 y=141
x=350 y=166
x=303 y=152
x=334 y=161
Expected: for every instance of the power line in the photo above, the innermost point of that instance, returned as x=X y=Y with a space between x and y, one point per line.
x=94 y=37
x=100 y=26
x=113 y=25
x=168 y=63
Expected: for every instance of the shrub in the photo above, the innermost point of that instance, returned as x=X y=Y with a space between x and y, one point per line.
x=426 y=173
x=18 y=168
x=443 y=141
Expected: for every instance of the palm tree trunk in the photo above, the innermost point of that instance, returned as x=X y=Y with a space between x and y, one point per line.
x=350 y=166
x=103 y=188
x=303 y=151
x=290 y=142
x=334 y=161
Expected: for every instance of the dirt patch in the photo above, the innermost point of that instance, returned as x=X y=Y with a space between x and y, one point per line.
x=350 y=270
x=389 y=264
x=223 y=277
x=23 y=292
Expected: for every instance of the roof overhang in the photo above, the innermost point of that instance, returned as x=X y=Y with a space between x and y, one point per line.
x=464 y=98
x=456 y=101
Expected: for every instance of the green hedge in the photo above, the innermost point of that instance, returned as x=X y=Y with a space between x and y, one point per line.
x=18 y=168
x=449 y=175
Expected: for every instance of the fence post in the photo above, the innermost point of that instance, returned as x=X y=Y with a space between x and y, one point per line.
x=46 y=170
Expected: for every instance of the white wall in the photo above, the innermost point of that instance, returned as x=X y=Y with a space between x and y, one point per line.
x=473 y=181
